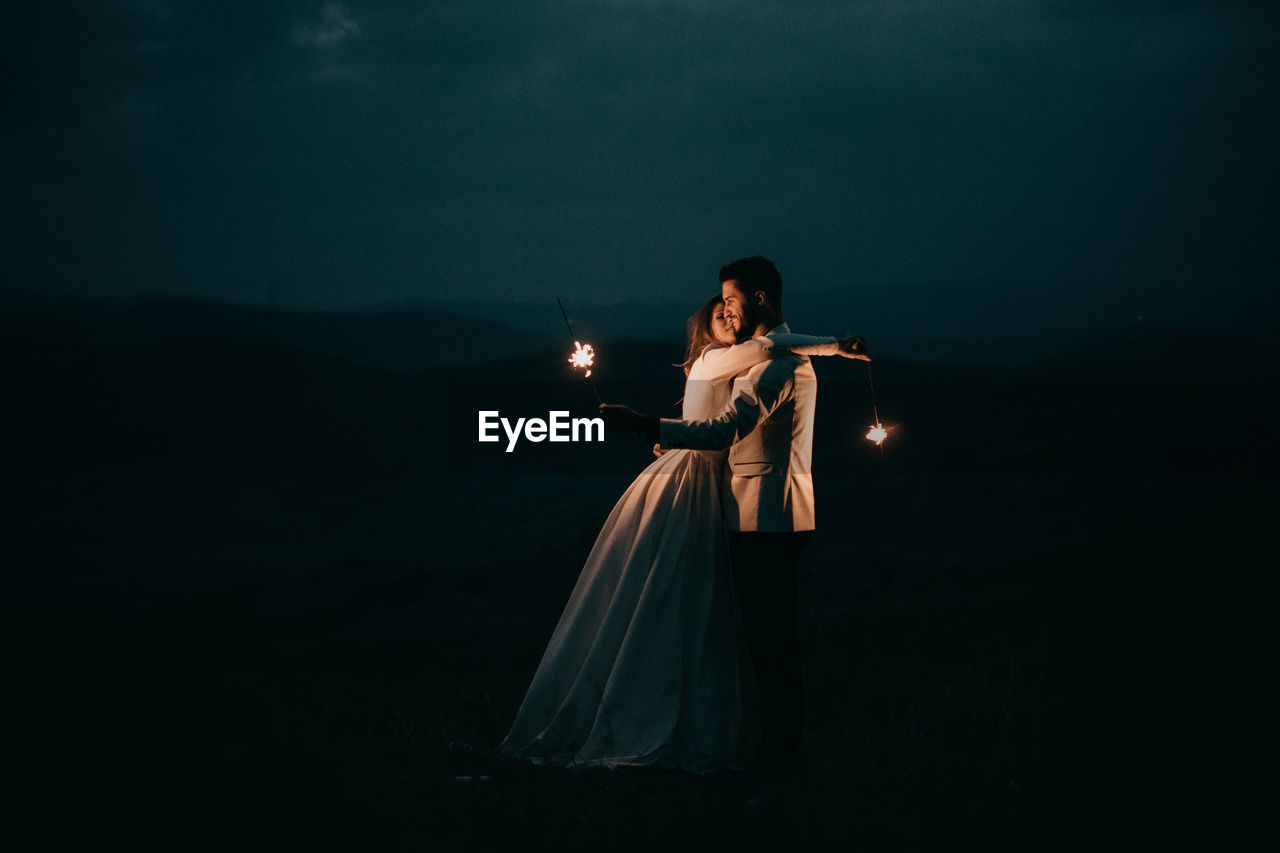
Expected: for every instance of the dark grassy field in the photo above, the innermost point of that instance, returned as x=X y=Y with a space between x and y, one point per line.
x=261 y=598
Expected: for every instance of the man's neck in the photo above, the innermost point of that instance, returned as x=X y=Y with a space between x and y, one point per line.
x=767 y=321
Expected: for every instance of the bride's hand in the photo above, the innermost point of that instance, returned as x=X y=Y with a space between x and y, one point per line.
x=658 y=450
x=621 y=418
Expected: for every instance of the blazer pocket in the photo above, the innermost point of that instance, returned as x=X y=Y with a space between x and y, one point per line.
x=750 y=469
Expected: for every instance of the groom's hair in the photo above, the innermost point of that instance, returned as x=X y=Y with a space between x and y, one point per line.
x=756 y=273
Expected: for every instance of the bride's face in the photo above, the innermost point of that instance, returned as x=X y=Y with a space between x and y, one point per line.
x=720 y=327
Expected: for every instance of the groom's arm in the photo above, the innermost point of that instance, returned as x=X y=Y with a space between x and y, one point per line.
x=752 y=402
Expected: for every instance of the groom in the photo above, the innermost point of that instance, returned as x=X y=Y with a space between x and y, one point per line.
x=768 y=505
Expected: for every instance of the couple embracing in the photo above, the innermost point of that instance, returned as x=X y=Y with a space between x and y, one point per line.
x=642 y=667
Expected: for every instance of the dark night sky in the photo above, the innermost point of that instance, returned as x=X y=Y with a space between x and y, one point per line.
x=319 y=154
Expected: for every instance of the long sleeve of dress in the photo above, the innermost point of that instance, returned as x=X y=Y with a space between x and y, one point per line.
x=721 y=362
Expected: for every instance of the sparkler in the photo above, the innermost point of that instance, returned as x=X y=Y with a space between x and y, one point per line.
x=877 y=433
x=583 y=354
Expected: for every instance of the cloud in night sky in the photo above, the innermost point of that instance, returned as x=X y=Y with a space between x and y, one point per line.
x=341 y=154
x=333 y=27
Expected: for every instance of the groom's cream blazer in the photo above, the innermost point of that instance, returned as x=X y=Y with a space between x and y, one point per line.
x=768 y=428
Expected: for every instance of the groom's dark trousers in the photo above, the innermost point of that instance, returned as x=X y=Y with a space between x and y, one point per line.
x=766 y=584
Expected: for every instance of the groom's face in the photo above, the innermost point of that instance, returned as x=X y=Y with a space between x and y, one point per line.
x=738 y=315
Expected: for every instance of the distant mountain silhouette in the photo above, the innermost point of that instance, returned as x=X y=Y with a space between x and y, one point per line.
x=405 y=340
x=592 y=320
x=998 y=321
x=937 y=325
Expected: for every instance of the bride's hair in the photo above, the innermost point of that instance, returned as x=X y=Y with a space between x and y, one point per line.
x=698 y=328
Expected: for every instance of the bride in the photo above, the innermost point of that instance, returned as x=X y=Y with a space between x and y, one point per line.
x=642 y=667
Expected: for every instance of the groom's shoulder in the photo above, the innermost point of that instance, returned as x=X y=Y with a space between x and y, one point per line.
x=779 y=368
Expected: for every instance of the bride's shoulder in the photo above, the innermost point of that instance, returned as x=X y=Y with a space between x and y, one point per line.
x=709 y=353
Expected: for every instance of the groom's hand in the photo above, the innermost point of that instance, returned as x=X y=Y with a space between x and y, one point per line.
x=627 y=419
x=854 y=347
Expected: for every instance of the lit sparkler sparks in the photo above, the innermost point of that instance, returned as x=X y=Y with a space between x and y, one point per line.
x=877 y=433
x=583 y=356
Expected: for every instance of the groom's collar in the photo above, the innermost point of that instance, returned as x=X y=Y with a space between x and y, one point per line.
x=780 y=329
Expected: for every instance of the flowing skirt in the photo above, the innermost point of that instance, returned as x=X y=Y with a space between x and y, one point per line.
x=642 y=668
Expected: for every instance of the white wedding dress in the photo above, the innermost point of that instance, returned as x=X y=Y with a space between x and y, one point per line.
x=642 y=667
